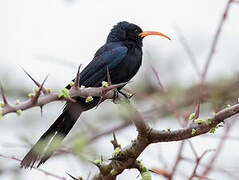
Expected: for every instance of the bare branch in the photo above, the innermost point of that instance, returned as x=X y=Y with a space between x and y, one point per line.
x=215 y=40
x=3 y=96
x=189 y=51
x=37 y=169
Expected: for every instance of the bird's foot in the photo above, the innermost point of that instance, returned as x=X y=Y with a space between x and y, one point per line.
x=127 y=96
x=116 y=96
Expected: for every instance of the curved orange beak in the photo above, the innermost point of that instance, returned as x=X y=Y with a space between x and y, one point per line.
x=146 y=33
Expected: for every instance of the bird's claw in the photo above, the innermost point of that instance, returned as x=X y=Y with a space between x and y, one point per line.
x=116 y=96
x=126 y=96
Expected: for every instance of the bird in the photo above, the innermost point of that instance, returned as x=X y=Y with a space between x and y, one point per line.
x=121 y=56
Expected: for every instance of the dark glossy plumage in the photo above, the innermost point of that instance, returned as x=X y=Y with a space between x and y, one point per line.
x=122 y=54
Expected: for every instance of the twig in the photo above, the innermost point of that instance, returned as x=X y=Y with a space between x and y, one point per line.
x=215 y=40
x=189 y=51
x=37 y=169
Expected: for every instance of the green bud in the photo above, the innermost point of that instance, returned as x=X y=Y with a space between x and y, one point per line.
x=198 y=121
x=36 y=90
x=19 y=112
x=193 y=131
x=104 y=84
x=88 y=99
x=17 y=102
x=30 y=95
x=229 y=105
x=212 y=130
x=97 y=161
x=64 y=93
x=144 y=169
x=82 y=86
x=192 y=116
x=116 y=152
x=217 y=126
x=72 y=83
x=208 y=121
x=80 y=178
x=0 y=114
x=2 y=105
x=141 y=163
x=48 y=90
x=146 y=175
x=113 y=172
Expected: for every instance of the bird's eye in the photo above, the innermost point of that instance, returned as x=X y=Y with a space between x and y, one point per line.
x=136 y=30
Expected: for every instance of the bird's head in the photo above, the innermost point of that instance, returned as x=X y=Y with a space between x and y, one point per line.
x=125 y=31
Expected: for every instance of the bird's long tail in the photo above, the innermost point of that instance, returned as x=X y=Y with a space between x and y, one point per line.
x=51 y=139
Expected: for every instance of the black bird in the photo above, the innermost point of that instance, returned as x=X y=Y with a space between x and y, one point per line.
x=122 y=55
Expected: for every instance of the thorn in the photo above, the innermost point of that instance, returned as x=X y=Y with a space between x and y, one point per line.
x=35 y=98
x=77 y=79
x=114 y=86
x=197 y=110
x=158 y=79
x=3 y=95
x=114 y=137
x=108 y=76
x=37 y=83
x=115 y=142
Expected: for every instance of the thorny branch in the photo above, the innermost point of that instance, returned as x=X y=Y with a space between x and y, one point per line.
x=40 y=170
x=105 y=92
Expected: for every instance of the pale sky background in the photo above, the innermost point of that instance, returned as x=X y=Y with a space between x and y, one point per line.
x=35 y=34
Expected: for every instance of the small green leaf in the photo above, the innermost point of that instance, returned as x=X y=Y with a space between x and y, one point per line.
x=198 y=121
x=141 y=163
x=30 y=95
x=0 y=114
x=82 y=86
x=19 y=112
x=144 y=169
x=80 y=178
x=97 y=161
x=17 y=102
x=36 y=90
x=212 y=130
x=194 y=131
x=2 y=105
x=192 y=116
x=208 y=121
x=116 y=152
x=72 y=83
x=146 y=175
x=213 y=114
x=88 y=99
x=48 y=90
x=64 y=93
x=113 y=172
x=104 y=84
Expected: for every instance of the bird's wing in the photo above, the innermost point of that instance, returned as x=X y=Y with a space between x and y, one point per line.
x=110 y=55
